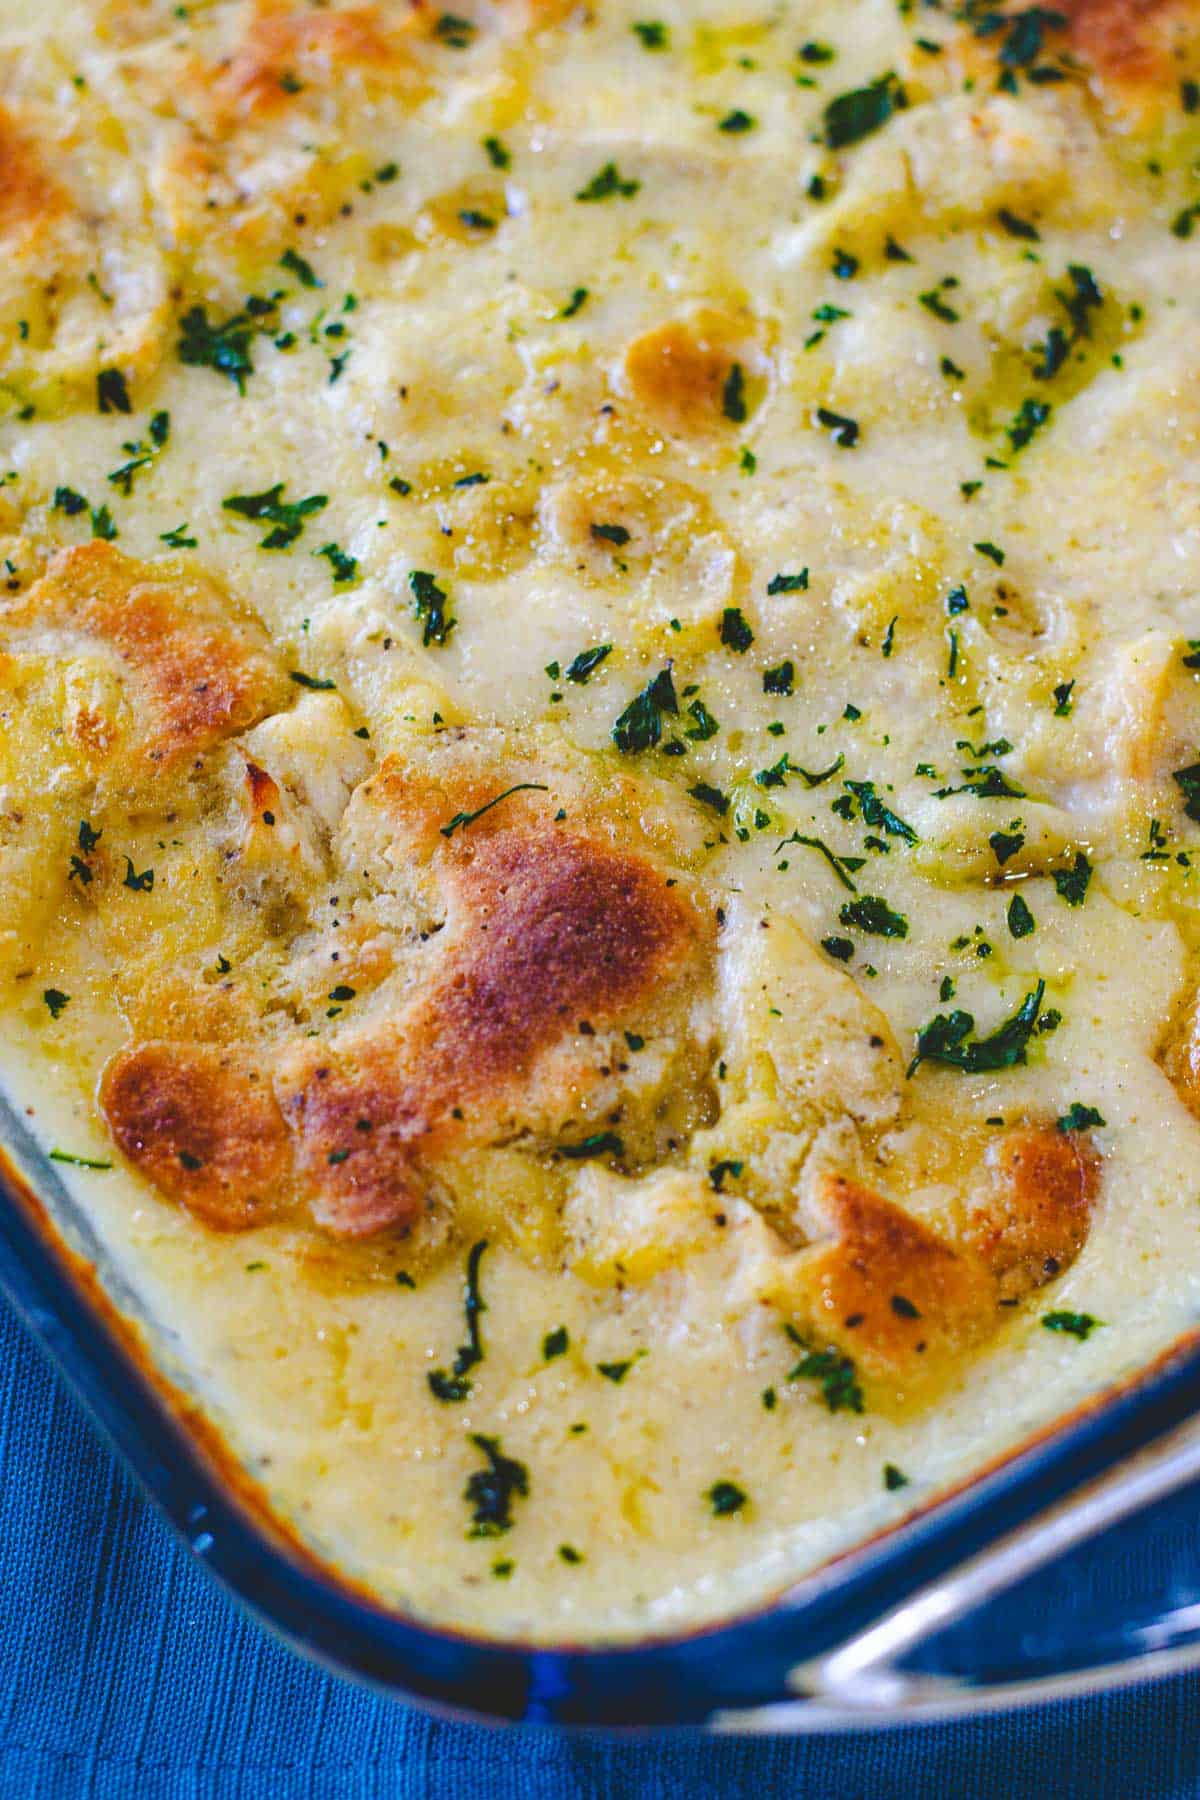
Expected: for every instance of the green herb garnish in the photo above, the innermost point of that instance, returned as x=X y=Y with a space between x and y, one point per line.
x=944 y=1039
x=455 y=1386
x=462 y=820
x=1075 y=1324
x=639 y=727
x=490 y=1491
x=429 y=604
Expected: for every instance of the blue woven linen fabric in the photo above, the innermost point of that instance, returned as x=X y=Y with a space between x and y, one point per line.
x=127 y=1674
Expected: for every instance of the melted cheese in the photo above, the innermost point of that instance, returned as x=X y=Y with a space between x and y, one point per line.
x=597 y=731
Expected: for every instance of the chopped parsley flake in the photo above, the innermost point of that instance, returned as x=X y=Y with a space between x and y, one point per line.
x=779 y=680
x=429 y=605
x=455 y=32
x=872 y=914
x=986 y=783
x=845 y=431
x=1188 y=782
x=139 y=884
x=1079 y=1325
x=600 y=1143
x=344 y=567
x=654 y=35
x=788 y=584
x=304 y=272
x=711 y=796
x=1079 y=1118
x=112 y=393
x=876 y=814
x=817 y=777
x=455 y=1386
x=462 y=820
x=639 y=727
x=856 y=114
x=77 y=1162
x=287 y=517
x=1072 y=884
x=733 y=395
x=490 y=1491
x=1021 y=921
x=725 y=1498
x=55 y=1001
x=582 y=667
x=705 y=727
x=836 y=1374
x=932 y=302
x=1030 y=417
x=555 y=1343
x=735 y=633
x=944 y=1039
x=842 y=866
x=1017 y=227
x=608 y=184
x=224 y=347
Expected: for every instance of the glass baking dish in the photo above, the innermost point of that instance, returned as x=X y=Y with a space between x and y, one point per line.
x=835 y=1651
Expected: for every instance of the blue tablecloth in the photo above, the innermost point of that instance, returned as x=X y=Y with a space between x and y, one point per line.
x=124 y=1671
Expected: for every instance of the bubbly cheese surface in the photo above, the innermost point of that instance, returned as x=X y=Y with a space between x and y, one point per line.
x=600 y=751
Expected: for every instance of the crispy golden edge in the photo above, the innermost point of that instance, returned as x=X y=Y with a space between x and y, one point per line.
x=558 y=929
x=29 y=196
x=203 y=1124
x=901 y=1299
x=199 y=676
x=1036 y=1219
x=888 y=1289
x=552 y=928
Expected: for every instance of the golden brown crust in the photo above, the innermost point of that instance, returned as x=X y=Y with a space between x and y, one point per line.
x=203 y=1124
x=558 y=931
x=680 y=373
x=1133 y=52
x=283 y=50
x=888 y=1290
x=1133 y=43
x=554 y=934
x=198 y=675
x=1180 y=1057
x=1035 y=1222
x=901 y=1299
x=28 y=194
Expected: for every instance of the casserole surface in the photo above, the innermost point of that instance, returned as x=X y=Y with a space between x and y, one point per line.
x=599 y=749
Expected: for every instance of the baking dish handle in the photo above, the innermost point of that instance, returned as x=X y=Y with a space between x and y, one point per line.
x=862 y=1681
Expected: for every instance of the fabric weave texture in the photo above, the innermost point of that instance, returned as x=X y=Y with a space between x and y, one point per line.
x=126 y=1672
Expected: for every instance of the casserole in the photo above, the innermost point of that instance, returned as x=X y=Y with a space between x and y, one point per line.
x=598 y=755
